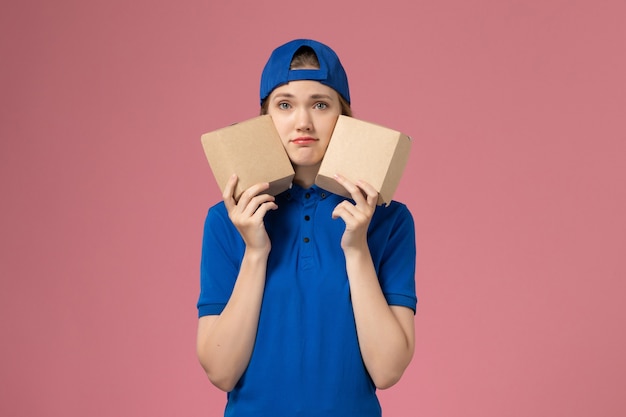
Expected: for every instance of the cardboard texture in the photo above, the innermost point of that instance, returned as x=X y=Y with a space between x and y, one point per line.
x=251 y=149
x=360 y=150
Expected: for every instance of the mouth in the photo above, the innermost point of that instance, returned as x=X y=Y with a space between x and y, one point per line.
x=303 y=140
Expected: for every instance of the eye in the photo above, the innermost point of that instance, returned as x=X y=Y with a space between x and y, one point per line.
x=320 y=106
x=284 y=106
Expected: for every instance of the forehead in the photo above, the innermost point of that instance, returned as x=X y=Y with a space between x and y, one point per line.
x=304 y=89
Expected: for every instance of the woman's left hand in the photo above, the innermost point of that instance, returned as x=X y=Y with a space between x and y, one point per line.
x=357 y=216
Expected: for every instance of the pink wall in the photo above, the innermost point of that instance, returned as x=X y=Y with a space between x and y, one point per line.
x=516 y=182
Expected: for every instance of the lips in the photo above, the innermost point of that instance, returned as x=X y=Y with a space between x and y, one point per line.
x=304 y=140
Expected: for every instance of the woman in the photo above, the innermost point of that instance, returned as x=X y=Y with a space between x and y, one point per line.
x=307 y=299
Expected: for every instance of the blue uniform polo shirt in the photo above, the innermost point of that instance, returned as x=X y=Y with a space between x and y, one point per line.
x=306 y=360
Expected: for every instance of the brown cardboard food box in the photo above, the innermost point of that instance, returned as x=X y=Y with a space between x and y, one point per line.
x=360 y=150
x=251 y=149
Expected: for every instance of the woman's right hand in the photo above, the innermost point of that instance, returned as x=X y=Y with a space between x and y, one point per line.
x=247 y=214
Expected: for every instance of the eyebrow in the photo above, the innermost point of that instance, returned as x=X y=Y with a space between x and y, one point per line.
x=284 y=95
x=314 y=96
x=321 y=96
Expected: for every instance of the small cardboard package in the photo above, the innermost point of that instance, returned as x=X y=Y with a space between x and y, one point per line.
x=251 y=149
x=360 y=150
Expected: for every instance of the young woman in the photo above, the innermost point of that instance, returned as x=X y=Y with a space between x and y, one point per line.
x=307 y=299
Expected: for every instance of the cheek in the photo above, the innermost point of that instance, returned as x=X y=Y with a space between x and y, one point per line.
x=281 y=125
x=328 y=127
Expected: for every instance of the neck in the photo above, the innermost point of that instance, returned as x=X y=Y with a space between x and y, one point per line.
x=305 y=175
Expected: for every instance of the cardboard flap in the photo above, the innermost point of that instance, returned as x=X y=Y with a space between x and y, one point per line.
x=251 y=149
x=361 y=150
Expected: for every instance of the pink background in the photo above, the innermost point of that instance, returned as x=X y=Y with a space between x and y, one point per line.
x=516 y=181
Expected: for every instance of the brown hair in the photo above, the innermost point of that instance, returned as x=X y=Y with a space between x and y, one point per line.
x=305 y=58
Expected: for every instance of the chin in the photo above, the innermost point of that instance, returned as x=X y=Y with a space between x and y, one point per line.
x=305 y=160
x=306 y=163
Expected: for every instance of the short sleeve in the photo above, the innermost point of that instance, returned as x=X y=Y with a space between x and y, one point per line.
x=222 y=251
x=396 y=266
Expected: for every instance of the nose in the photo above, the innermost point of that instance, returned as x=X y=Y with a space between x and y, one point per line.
x=304 y=122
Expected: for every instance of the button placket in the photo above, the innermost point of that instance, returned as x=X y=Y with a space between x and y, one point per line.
x=309 y=203
x=309 y=199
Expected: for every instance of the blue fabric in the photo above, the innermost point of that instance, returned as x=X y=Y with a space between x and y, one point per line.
x=277 y=69
x=306 y=361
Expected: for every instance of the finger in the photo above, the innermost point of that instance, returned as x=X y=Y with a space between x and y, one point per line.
x=252 y=197
x=370 y=192
x=256 y=189
x=250 y=193
x=343 y=210
x=264 y=208
x=229 y=190
x=355 y=192
x=253 y=205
